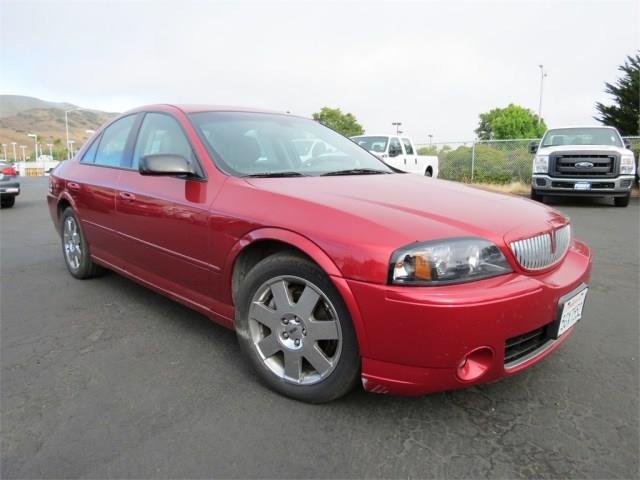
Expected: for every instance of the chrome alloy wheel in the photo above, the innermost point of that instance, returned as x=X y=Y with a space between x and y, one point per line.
x=72 y=243
x=295 y=330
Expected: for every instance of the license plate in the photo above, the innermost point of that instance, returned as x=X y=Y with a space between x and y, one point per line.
x=582 y=186
x=571 y=311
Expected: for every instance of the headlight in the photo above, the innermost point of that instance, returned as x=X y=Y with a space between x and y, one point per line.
x=541 y=164
x=455 y=260
x=627 y=165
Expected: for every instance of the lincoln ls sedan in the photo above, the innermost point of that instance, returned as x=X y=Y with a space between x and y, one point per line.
x=332 y=269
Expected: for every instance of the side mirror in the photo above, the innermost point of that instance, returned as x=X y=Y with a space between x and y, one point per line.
x=533 y=147
x=165 y=165
x=627 y=143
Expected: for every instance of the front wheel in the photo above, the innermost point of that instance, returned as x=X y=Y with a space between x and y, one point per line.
x=622 y=201
x=8 y=202
x=75 y=248
x=536 y=196
x=296 y=331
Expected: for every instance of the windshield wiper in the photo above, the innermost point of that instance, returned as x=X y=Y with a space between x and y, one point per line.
x=356 y=171
x=275 y=174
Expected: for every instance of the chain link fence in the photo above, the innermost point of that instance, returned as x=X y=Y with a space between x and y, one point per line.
x=490 y=161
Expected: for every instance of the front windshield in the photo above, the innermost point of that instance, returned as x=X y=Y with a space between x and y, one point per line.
x=373 y=144
x=581 y=136
x=244 y=143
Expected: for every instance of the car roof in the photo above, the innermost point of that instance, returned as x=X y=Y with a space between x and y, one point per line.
x=195 y=108
x=379 y=135
x=580 y=126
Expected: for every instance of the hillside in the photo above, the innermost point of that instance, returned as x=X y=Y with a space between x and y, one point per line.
x=22 y=115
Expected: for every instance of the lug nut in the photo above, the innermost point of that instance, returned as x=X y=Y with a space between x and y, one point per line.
x=285 y=335
x=285 y=321
x=304 y=331
x=297 y=342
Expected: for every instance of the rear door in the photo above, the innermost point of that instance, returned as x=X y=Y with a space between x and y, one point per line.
x=396 y=154
x=410 y=157
x=164 y=219
x=94 y=183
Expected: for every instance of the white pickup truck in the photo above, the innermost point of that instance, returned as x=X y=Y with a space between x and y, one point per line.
x=400 y=153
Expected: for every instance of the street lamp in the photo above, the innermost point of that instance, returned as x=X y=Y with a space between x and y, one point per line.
x=35 y=146
x=15 y=157
x=70 y=148
x=4 y=151
x=542 y=75
x=66 y=126
x=24 y=155
x=397 y=125
x=50 y=145
x=430 y=137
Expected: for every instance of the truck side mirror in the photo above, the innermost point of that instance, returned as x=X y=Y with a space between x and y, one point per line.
x=627 y=143
x=533 y=147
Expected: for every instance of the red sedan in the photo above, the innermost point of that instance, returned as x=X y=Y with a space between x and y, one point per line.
x=332 y=267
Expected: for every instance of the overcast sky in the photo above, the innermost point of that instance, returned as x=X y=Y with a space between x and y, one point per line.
x=432 y=65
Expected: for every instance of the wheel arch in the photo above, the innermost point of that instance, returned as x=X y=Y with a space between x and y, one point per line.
x=260 y=243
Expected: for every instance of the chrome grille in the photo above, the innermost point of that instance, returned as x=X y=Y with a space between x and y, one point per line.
x=536 y=253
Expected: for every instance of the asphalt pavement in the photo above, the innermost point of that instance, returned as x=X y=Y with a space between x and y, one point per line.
x=105 y=379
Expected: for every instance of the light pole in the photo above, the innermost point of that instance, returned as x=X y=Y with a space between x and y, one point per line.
x=70 y=148
x=50 y=145
x=24 y=155
x=397 y=125
x=35 y=146
x=430 y=137
x=4 y=151
x=66 y=126
x=15 y=157
x=542 y=75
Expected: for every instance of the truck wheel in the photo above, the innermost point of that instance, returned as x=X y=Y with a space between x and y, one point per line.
x=536 y=196
x=296 y=331
x=8 y=202
x=428 y=172
x=622 y=201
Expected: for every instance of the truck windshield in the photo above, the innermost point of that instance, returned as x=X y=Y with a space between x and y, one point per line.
x=265 y=144
x=581 y=136
x=373 y=144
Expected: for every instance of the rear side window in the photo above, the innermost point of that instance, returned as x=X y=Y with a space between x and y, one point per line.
x=113 y=142
x=161 y=134
x=407 y=146
x=90 y=155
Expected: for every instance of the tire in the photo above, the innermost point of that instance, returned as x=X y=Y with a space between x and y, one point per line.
x=75 y=249
x=622 y=201
x=536 y=196
x=295 y=330
x=8 y=202
x=428 y=172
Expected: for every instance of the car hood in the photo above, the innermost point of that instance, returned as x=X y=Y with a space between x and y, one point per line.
x=386 y=212
x=575 y=148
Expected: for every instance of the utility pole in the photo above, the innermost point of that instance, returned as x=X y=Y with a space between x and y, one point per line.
x=4 y=151
x=35 y=146
x=24 y=155
x=70 y=149
x=15 y=157
x=397 y=125
x=66 y=126
x=542 y=75
x=430 y=137
x=50 y=145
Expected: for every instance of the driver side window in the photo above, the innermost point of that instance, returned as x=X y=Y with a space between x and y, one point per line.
x=394 y=147
x=161 y=134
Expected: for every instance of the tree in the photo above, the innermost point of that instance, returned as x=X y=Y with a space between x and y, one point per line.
x=624 y=114
x=345 y=123
x=513 y=121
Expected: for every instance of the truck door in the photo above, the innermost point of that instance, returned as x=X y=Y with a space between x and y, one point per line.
x=396 y=154
x=411 y=158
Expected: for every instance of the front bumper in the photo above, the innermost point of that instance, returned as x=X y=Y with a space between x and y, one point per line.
x=10 y=188
x=418 y=338
x=600 y=186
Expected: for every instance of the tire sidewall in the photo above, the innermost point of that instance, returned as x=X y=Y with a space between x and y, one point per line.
x=345 y=374
x=84 y=270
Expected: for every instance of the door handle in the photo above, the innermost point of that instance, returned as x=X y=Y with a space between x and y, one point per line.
x=73 y=186
x=126 y=196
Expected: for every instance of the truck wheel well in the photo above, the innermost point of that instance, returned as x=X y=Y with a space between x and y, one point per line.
x=62 y=205
x=429 y=171
x=252 y=255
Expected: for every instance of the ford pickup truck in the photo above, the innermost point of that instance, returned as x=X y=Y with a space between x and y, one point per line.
x=584 y=162
x=400 y=153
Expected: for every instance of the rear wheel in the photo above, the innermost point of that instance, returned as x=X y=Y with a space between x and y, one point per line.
x=8 y=202
x=428 y=172
x=622 y=201
x=536 y=196
x=294 y=328
x=75 y=248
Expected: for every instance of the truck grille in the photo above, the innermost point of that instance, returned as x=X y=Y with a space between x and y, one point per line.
x=576 y=165
x=528 y=343
x=536 y=253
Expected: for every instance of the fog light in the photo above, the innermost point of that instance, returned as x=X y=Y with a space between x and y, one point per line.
x=474 y=364
x=541 y=182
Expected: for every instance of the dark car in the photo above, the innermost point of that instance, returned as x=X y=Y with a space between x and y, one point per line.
x=9 y=185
